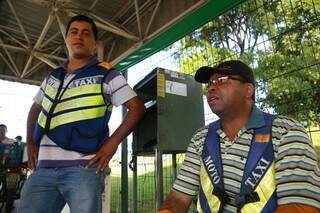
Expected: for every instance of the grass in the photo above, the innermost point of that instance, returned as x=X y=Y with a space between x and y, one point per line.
x=146 y=191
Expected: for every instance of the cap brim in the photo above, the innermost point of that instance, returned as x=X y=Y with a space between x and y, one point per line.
x=203 y=74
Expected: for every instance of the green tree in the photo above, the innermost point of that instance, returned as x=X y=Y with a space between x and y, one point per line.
x=279 y=39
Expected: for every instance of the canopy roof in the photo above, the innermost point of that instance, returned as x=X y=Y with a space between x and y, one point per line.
x=32 y=31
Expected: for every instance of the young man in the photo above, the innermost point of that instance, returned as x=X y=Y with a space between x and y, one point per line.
x=67 y=129
x=248 y=160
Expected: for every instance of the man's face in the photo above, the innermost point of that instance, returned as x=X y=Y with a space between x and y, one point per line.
x=80 y=40
x=3 y=131
x=226 y=93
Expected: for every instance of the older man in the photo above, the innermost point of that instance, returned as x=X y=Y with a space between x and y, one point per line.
x=248 y=160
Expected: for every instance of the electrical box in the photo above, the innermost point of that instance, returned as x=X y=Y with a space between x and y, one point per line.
x=174 y=103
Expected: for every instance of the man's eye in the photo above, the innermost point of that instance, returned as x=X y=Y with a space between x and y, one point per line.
x=86 y=33
x=223 y=79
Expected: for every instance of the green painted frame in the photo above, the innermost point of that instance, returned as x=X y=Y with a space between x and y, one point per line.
x=198 y=18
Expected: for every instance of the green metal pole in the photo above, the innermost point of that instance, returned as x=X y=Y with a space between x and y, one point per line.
x=124 y=168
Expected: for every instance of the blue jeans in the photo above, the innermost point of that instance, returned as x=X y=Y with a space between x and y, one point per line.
x=47 y=190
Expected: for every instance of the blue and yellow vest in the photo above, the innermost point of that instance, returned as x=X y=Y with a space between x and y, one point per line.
x=258 y=191
x=75 y=117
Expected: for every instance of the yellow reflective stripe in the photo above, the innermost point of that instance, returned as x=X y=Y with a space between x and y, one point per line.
x=51 y=91
x=265 y=190
x=42 y=119
x=85 y=89
x=207 y=187
x=78 y=115
x=80 y=102
x=46 y=104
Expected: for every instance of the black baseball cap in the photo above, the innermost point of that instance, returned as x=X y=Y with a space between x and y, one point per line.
x=232 y=67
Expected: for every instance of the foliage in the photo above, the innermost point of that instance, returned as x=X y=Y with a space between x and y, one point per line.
x=279 y=39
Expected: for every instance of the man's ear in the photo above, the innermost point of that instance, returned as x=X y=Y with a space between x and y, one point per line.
x=250 y=90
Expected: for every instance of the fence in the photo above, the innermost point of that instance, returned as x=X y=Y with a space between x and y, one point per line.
x=279 y=39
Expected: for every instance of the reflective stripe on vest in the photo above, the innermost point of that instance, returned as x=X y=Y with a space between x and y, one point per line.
x=258 y=176
x=75 y=117
x=78 y=103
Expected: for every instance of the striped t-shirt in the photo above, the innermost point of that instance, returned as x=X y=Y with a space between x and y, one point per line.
x=115 y=89
x=297 y=173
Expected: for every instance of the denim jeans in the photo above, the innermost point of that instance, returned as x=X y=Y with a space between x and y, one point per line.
x=47 y=190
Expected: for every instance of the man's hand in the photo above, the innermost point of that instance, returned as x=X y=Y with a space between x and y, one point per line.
x=33 y=150
x=135 y=111
x=103 y=156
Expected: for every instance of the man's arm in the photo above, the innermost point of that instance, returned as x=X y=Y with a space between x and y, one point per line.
x=136 y=110
x=297 y=170
x=31 y=146
x=176 y=202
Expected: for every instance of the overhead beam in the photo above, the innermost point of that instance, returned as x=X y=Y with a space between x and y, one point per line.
x=38 y=43
x=93 y=4
x=46 y=60
x=19 y=22
x=13 y=38
x=105 y=25
x=8 y=64
x=152 y=18
x=12 y=47
x=136 y=6
x=34 y=68
x=13 y=64
x=61 y=26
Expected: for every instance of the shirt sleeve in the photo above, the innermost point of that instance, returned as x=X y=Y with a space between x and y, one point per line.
x=116 y=89
x=40 y=94
x=188 y=178
x=297 y=171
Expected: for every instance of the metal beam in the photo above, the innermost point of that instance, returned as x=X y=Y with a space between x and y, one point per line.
x=49 y=40
x=8 y=64
x=38 y=43
x=61 y=26
x=13 y=38
x=44 y=31
x=93 y=4
x=33 y=69
x=46 y=60
x=12 y=47
x=19 y=22
x=12 y=78
x=136 y=6
x=127 y=53
x=152 y=18
x=103 y=24
x=111 y=50
x=13 y=64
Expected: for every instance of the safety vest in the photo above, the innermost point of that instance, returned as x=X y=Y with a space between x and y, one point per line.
x=258 y=191
x=75 y=117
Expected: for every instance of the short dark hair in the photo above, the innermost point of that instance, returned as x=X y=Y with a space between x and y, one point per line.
x=4 y=126
x=85 y=19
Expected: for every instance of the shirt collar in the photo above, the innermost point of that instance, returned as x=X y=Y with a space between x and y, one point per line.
x=256 y=119
x=93 y=60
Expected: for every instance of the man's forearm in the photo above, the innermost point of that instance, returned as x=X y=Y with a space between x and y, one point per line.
x=176 y=202
x=136 y=111
x=32 y=119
